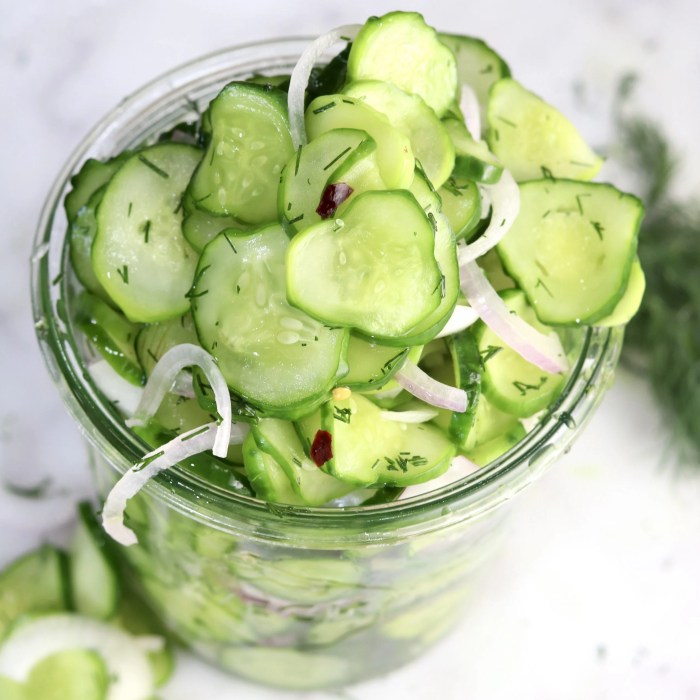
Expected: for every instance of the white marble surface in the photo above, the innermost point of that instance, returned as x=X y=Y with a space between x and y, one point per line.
x=595 y=595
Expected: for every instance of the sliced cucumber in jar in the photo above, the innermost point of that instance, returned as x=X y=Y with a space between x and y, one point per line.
x=139 y=254
x=273 y=355
x=374 y=270
x=571 y=248
x=371 y=365
x=249 y=145
x=461 y=204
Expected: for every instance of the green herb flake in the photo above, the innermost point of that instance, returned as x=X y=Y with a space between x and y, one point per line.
x=150 y=164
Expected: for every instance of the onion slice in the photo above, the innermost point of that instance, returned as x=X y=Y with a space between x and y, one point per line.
x=164 y=375
x=186 y=445
x=415 y=381
x=469 y=106
x=504 y=196
x=416 y=416
x=462 y=317
x=300 y=77
x=544 y=351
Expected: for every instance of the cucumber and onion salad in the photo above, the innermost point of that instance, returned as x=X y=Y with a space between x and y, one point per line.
x=348 y=283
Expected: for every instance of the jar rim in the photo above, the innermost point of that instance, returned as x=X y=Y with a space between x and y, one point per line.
x=470 y=497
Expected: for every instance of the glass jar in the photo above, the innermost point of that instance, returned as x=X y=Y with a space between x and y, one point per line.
x=287 y=596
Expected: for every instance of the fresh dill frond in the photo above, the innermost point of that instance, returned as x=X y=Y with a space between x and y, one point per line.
x=665 y=333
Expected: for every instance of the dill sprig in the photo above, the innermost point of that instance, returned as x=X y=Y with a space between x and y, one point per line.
x=665 y=334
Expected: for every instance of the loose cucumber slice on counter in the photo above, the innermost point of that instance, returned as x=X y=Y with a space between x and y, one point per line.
x=76 y=674
x=394 y=154
x=273 y=355
x=352 y=441
x=510 y=382
x=400 y=48
x=430 y=141
x=111 y=335
x=37 y=582
x=533 y=139
x=366 y=265
x=139 y=254
x=249 y=145
x=305 y=176
x=571 y=248
x=94 y=579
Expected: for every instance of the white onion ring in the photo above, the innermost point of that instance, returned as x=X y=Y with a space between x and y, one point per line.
x=415 y=381
x=132 y=481
x=300 y=77
x=416 y=416
x=544 y=351
x=165 y=373
x=462 y=317
x=469 y=106
x=504 y=196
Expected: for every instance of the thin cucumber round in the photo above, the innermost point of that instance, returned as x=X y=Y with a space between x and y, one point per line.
x=273 y=355
x=139 y=254
x=371 y=365
x=78 y=674
x=631 y=300
x=571 y=248
x=461 y=204
x=400 y=48
x=374 y=270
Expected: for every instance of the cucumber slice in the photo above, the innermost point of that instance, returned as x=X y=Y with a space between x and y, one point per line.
x=305 y=175
x=533 y=139
x=359 y=172
x=367 y=450
x=250 y=143
x=139 y=253
x=153 y=341
x=94 y=578
x=374 y=270
x=400 y=48
x=111 y=335
x=394 y=154
x=461 y=204
x=36 y=582
x=76 y=674
x=272 y=354
x=510 y=382
x=473 y=160
x=81 y=234
x=430 y=142
x=371 y=365
x=478 y=65
x=199 y=226
x=490 y=423
x=486 y=452
x=93 y=175
x=31 y=642
x=279 y=439
x=631 y=300
x=266 y=476
x=571 y=248
x=11 y=690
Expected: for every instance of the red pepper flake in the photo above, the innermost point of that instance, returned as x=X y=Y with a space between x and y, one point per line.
x=321 y=450
x=333 y=196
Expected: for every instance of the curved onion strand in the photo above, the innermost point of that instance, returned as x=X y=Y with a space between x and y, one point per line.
x=300 y=77
x=544 y=351
x=504 y=196
x=132 y=481
x=415 y=381
x=469 y=106
x=415 y=416
x=165 y=373
x=462 y=317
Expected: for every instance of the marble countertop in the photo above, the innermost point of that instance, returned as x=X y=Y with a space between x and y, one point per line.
x=596 y=592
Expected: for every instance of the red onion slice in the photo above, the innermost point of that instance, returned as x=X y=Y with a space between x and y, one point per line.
x=415 y=381
x=544 y=351
x=300 y=77
x=504 y=196
x=165 y=373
